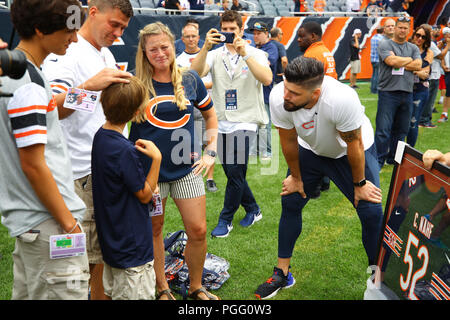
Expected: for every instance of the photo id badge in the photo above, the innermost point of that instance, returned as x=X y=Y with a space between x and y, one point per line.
x=231 y=100
x=82 y=100
x=67 y=245
x=155 y=206
x=398 y=71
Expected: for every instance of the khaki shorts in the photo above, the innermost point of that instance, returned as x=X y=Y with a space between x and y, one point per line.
x=135 y=283
x=83 y=188
x=37 y=277
x=355 y=66
x=190 y=186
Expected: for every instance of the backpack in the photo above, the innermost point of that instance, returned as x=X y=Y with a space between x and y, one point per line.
x=215 y=270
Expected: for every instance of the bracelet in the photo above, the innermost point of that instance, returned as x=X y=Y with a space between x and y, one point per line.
x=245 y=58
x=74 y=227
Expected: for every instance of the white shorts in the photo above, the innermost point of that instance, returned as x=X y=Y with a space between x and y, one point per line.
x=190 y=186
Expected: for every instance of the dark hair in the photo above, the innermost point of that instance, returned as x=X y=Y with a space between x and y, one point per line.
x=47 y=16
x=120 y=101
x=312 y=27
x=305 y=72
x=231 y=16
x=123 y=5
x=427 y=41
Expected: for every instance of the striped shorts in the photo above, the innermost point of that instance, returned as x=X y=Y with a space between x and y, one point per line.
x=190 y=186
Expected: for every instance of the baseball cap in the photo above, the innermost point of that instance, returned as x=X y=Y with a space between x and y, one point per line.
x=356 y=31
x=261 y=26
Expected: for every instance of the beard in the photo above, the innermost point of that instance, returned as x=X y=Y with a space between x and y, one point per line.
x=290 y=107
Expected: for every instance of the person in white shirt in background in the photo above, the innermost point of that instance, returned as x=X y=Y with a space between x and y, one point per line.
x=239 y=72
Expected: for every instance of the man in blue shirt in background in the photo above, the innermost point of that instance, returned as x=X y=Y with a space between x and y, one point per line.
x=375 y=59
x=262 y=41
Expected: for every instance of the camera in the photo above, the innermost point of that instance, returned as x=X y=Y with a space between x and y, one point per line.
x=13 y=63
x=227 y=37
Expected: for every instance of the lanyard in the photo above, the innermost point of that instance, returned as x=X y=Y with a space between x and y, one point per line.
x=227 y=68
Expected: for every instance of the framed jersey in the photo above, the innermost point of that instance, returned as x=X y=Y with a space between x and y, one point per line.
x=414 y=248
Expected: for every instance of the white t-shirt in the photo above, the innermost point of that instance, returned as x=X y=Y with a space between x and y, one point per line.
x=226 y=126
x=338 y=109
x=436 y=64
x=184 y=59
x=81 y=62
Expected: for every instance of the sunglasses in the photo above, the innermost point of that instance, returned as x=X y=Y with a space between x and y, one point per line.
x=404 y=19
x=424 y=37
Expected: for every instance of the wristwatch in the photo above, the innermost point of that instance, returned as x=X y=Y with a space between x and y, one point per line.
x=211 y=153
x=360 y=184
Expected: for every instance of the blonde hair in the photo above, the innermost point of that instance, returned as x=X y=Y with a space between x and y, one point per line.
x=144 y=70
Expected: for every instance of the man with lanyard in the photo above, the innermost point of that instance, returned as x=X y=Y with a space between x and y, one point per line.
x=89 y=66
x=262 y=143
x=398 y=59
x=239 y=73
x=323 y=131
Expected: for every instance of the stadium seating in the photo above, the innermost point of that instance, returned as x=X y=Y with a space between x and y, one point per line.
x=264 y=7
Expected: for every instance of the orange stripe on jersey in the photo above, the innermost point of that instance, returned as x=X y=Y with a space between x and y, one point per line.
x=29 y=133
x=24 y=109
x=59 y=87
x=205 y=104
x=51 y=105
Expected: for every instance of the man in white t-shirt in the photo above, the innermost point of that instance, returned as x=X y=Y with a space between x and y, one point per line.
x=323 y=131
x=88 y=64
x=239 y=73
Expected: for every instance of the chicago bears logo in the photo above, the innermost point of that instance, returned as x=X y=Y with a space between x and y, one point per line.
x=308 y=125
x=164 y=124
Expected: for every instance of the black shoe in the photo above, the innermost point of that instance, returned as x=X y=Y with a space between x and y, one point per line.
x=276 y=282
x=435 y=110
x=316 y=193
x=325 y=186
x=211 y=186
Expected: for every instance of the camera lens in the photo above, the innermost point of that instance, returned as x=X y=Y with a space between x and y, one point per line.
x=13 y=63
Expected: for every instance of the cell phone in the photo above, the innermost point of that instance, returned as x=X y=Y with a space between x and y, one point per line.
x=227 y=37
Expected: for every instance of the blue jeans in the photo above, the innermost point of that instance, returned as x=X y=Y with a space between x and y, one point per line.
x=374 y=79
x=313 y=167
x=392 y=121
x=419 y=100
x=233 y=149
x=427 y=112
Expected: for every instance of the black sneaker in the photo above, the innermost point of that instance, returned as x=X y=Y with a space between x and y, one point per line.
x=277 y=281
x=211 y=186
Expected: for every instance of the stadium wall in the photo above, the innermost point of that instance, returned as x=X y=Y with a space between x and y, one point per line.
x=337 y=32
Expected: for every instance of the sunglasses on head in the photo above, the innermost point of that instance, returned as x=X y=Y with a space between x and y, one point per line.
x=404 y=19
x=424 y=37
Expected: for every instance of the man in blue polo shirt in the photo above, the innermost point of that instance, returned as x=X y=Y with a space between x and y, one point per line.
x=262 y=41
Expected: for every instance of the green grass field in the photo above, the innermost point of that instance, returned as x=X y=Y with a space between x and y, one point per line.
x=329 y=262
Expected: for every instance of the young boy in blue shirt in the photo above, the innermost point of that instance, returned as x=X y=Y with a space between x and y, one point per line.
x=121 y=193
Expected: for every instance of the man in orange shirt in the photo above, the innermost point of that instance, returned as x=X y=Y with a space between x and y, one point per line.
x=309 y=38
x=319 y=5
